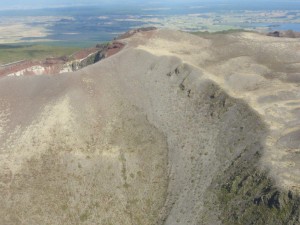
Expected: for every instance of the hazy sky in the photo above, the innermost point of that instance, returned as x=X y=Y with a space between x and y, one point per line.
x=8 y=4
x=89 y=2
x=58 y=3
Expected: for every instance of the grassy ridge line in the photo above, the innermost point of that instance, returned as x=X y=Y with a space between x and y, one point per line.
x=13 y=53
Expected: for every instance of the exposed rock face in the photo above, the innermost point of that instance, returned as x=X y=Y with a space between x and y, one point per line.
x=287 y=34
x=135 y=31
x=174 y=129
x=63 y=64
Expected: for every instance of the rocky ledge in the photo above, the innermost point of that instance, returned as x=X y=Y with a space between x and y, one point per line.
x=287 y=34
x=62 y=64
x=71 y=63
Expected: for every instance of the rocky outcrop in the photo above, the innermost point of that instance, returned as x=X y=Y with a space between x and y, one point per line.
x=62 y=64
x=133 y=32
x=287 y=34
x=71 y=63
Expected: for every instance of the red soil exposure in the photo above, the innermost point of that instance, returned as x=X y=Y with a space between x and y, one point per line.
x=84 y=53
x=51 y=66
x=13 y=68
x=53 y=61
x=114 y=48
x=133 y=32
x=55 y=65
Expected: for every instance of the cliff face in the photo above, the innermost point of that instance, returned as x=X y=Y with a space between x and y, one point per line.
x=174 y=129
x=286 y=34
x=63 y=64
x=71 y=63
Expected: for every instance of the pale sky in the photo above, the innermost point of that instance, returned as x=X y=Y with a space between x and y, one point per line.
x=19 y=4
x=83 y=2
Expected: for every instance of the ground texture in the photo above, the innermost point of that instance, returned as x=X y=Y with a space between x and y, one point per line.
x=174 y=129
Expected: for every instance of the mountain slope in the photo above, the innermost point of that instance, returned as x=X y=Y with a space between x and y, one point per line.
x=174 y=129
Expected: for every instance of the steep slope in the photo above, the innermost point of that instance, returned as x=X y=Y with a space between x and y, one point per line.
x=174 y=129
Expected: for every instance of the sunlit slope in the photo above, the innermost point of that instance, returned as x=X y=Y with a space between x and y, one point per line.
x=174 y=129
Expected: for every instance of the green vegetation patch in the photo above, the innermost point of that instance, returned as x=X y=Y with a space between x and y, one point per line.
x=249 y=196
x=243 y=193
x=12 y=53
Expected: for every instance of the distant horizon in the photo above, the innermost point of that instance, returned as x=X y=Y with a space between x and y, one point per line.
x=44 y=4
x=91 y=22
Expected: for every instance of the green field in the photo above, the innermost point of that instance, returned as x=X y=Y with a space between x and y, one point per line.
x=12 y=53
